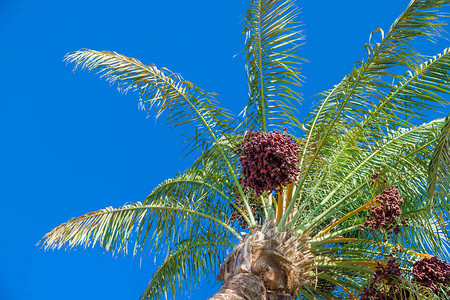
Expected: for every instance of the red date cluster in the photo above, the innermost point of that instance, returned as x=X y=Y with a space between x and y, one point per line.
x=384 y=214
x=384 y=282
x=432 y=272
x=268 y=160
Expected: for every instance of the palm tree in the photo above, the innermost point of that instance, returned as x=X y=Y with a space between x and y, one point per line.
x=361 y=207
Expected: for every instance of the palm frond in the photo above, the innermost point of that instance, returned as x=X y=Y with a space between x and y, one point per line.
x=426 y=234
x=439 y=166
x=206 y=184
x=419 y=19
x=353 y=262
x=192 y=183
x=112 y=228
x=189 y=261
x=167 y=92
x=272 y=40
x=420 y=90
x=212 y=159
x=355 y=96
x=352 y=177
x=163 y=90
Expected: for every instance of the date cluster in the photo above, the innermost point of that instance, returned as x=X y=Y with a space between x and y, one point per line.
x=432 y=272
x=384 y=284
x=268 y=160
x=384 y=213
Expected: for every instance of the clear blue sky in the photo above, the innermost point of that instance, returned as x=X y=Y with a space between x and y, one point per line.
x=71 y=144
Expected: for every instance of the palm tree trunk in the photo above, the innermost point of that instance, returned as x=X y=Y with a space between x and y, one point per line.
x=244 y=286
x=266 y=265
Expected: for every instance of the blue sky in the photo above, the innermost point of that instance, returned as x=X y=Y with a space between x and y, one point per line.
x=72 y=144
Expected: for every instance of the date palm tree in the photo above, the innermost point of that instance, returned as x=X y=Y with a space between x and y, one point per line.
x=370 y=190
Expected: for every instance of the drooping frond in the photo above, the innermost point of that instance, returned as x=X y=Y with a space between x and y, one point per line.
x=208 y=184
x=272 y=40
x=169 y=93
x=151 y=223
x=187 y=263
x=212 y=159
x=420 y=19
x=193 y=183
x=439 y=167
x=197 y=238
x=166 y=92
x=427 y=232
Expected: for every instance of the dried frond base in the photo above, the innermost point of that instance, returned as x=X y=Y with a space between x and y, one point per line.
x=280 y=259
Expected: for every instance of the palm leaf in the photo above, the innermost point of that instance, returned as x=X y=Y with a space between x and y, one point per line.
x=167 y=92
x=439 y=167
x=189 y=261
x=425 y=234
x=113 y=228
x=191 y=184
x=212 y=159
x=352 y=177
x=212 y=187
x=352 y=99
x=351 y=96
x=272 y=40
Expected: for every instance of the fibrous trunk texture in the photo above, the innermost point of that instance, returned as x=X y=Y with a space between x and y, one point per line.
x=273 y=264
x=244 y=286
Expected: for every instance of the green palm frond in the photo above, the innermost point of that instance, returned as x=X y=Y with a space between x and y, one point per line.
x=212 y=159
x=170 y=93
x=188 y=262
x=368 y=80
x=439 y=167
x=356 y=93
x=151 y=223
x=353 y=261
x=354 y=98
x=272 y=40
x=423 y=89
x=353 y=177
x=426 y=233
x=420 y=18
x=194 y=251
x=193 y=183
x=163 y=90
x=212 y=187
